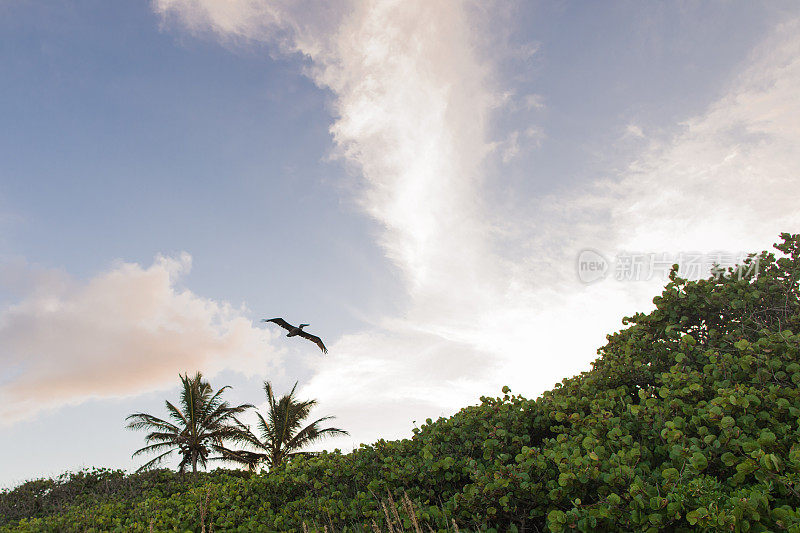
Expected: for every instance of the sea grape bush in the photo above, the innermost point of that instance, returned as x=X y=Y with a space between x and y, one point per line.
x=689 y=420
x=86 y=488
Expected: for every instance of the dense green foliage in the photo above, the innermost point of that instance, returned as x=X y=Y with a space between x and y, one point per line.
x=689 y=420
x=87 y=488
x=283 y=433
x=200 y=426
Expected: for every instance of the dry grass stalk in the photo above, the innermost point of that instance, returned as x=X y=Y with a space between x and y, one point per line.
x=388 y=518
x=393 y=507
x=409 y=507
x=455 y=526
x=204 y=510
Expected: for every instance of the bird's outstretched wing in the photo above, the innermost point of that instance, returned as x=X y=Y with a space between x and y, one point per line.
x=281 y=322
x=316 y=340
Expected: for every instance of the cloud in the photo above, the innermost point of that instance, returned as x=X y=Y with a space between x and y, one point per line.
x=519 y=141
x=632 y=130
x=126 y=331
x=730 y=178
x=411 y=100
x=410 y=105
x=726 y=181
x=534 y=101
x=493 y=297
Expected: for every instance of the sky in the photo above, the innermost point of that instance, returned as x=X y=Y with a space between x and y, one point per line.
x=425 y=183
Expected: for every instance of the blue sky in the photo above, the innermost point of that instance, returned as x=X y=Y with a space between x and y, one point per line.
x=158 y=144
x=413 y=179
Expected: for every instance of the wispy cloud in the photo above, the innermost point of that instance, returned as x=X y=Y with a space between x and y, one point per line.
x=729 y=179
x=492 y=295
x=632 y=130
x=534 y=101
x=123 y=332
x=411 y=104
x=520 y=141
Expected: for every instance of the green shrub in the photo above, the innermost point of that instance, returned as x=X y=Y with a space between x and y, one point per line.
x=689 y=420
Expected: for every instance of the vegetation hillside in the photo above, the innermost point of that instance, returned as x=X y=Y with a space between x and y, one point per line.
x=689 y=420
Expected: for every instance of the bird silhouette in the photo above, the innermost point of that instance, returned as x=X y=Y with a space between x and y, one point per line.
x=297 y=331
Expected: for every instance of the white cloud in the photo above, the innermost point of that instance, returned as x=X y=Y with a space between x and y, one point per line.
x=632 y=130
x=126 y=331
x=411 y=104
x=534 y=101
x=493 y=297
x=731 y=178
x=519 y=141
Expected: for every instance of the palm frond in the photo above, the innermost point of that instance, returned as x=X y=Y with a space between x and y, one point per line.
x=312 y=433
x=203 y=423
x=157 y=436
x=176 y=413
x=155 y=447
x=153 y=462
x=145 y=421
x=266 y=429
x=282 y=432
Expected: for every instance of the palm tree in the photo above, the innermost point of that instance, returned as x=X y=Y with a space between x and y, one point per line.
x=201 y=425
x=282 y=432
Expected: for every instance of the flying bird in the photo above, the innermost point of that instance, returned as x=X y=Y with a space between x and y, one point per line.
x=298 y=332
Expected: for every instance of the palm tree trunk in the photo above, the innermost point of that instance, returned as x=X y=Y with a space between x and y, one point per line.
x=194 y=466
